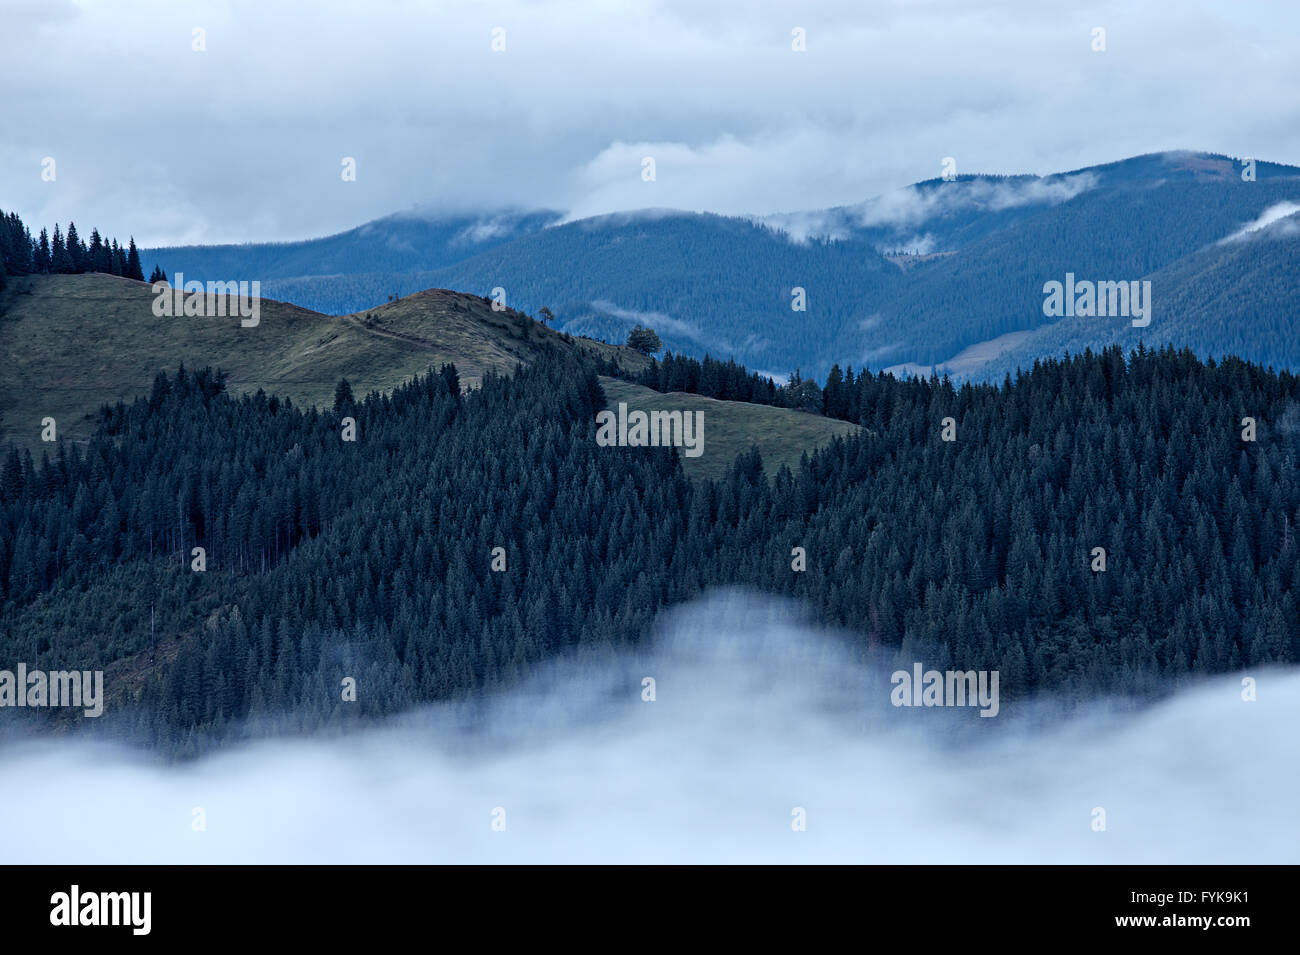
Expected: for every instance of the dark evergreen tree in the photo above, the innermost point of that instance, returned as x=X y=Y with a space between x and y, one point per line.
x=76 y=252
x=60 y=260
x=132 y=269
x=94 y=252
x=43 y=262
x=343 y=401
x=327 y=558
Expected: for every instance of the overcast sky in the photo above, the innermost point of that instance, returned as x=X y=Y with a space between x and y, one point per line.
x=245 y=139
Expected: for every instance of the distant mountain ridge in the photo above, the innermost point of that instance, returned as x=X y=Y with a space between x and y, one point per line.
x=403 y=242
x=876 y=293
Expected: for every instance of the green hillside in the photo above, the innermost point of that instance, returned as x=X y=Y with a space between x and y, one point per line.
x=75 y=342
x=733 y=427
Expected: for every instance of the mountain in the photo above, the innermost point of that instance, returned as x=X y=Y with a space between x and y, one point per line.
x=405 y=242
x=231 y=563
x=82 y=341
x=941 y=274
x=1125 y=233
x=1237 y=297
x=79 y=341
x=706 y=283
x=939 y=215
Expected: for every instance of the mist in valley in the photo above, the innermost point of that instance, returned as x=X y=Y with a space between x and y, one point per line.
x=760 y=724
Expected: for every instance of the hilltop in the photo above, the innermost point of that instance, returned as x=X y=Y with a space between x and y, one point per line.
x=731 y=428
x=77 y=342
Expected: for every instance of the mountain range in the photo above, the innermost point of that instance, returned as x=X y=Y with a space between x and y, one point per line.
x=941 y=276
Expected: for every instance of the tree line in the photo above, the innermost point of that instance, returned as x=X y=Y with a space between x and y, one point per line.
x=21 y=253
x=377 y=559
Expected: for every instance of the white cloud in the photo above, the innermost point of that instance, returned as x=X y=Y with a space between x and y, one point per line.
x=755 y=714
x=918 y=244
x=1273 y=214
x=915 y=206
x=244 y=141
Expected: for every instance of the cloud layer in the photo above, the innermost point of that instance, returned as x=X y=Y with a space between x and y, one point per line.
x=756 y=716
x=245 y=140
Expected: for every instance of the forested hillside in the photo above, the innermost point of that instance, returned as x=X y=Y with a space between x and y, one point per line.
x=406 y=242
x=373 y=559
x=985 y=247
x=705 y=283
x=1238 y=298
x=1131 y=232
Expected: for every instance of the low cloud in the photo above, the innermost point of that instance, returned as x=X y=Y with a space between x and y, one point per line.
x=1276 y=219
x=803 y=227
x=661 y=322
x=918 y=245
x=917 y=205
x=757 y=714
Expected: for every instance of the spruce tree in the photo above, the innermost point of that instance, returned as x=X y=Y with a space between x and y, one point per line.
x=133 y=269
x=76 y=253
x=94 y=251
x=60 y=261
x=343 y=401
x=42 y=261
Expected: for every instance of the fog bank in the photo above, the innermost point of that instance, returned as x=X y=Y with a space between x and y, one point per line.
x=755 y=715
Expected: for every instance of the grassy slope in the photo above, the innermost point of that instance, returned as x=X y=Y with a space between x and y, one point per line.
x=732 y=427
x=74 y=342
